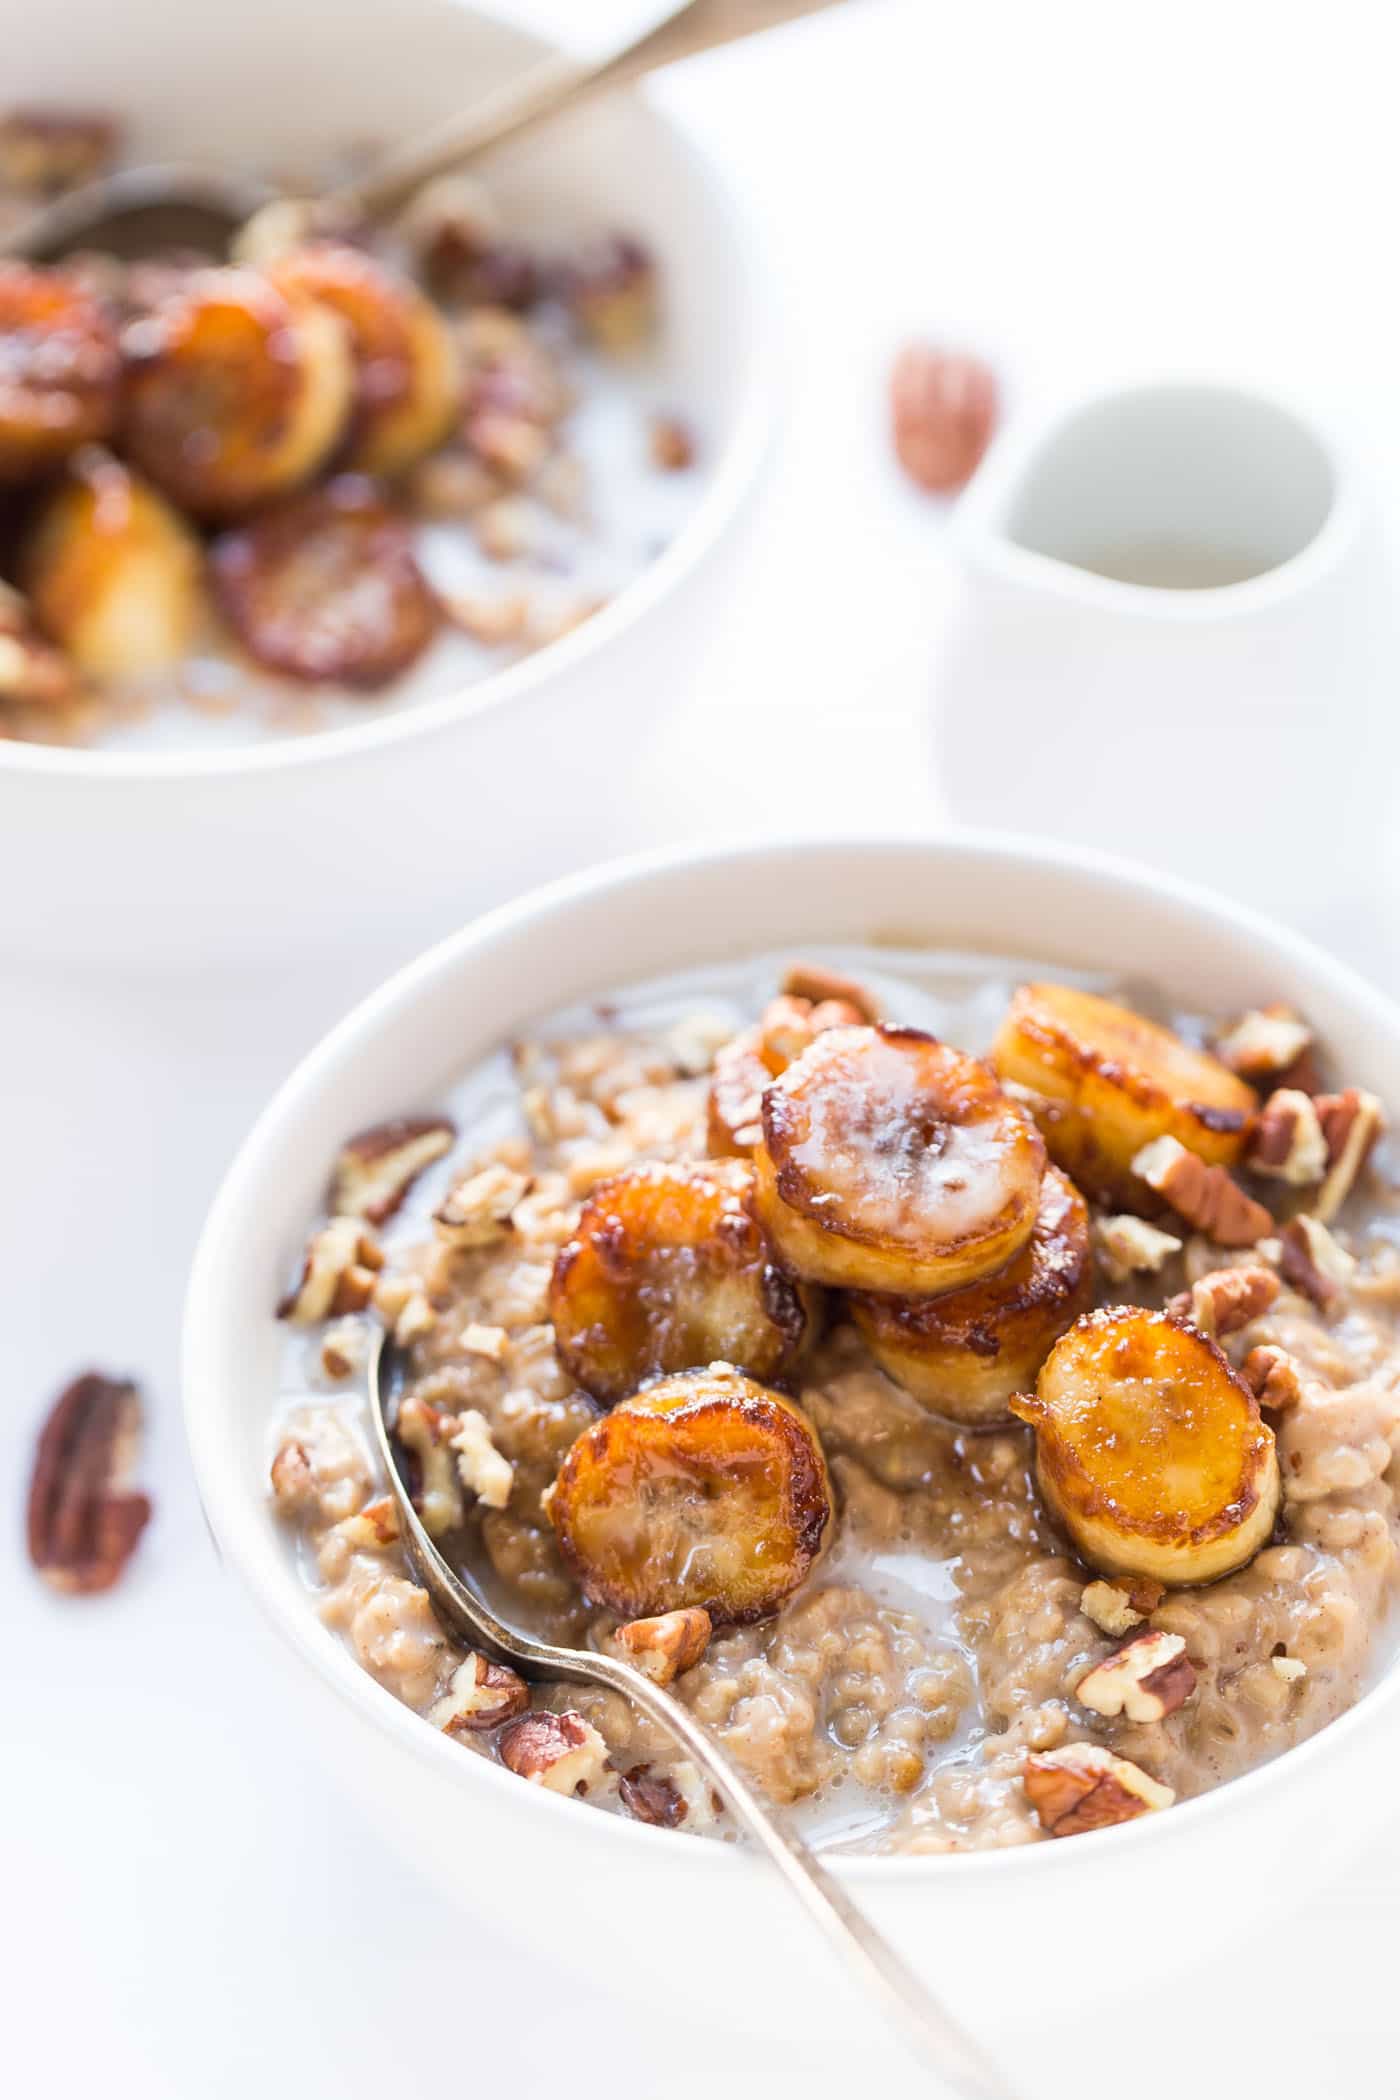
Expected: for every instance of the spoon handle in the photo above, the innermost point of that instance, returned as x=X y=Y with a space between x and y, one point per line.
x=547 y=86
x=933 y=2036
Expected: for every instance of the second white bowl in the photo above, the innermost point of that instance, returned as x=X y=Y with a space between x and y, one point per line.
x=391 y=830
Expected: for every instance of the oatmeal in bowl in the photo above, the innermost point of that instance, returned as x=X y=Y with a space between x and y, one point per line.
x=991 y=1439
x=960 y=1364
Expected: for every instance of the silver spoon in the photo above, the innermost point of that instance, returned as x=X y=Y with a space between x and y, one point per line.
x=931 y=2033
x=134 y=210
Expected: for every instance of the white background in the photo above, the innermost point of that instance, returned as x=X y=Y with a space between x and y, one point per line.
x=187 y=1907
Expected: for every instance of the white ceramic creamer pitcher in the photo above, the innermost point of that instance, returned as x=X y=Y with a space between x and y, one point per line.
x=1174 y=639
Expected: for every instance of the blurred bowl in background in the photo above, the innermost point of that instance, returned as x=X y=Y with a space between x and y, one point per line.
x=390 y=830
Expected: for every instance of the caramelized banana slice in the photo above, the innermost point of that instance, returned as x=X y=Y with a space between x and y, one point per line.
x=1108 y=1082
x=59 y=370
x=235 y=393
x=408 y=375
x=965 y=1354
x=892 y=1162
x=113 y=574
x=734 y=1108
x=326 y=587
x=750 y=1061
x=705 y=1490
x=667 y=1268
x=1150 y=1450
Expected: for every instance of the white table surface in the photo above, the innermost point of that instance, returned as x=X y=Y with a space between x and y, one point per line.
x=187 y=1908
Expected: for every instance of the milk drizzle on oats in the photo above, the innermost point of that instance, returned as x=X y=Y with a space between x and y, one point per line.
x=893 y=1699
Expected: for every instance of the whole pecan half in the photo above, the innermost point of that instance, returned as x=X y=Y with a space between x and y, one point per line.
x=943 y=409
x=84 y=1518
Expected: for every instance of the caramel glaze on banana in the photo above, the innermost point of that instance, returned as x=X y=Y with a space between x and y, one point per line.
x=60 y=370
x=408 y=374
x=892 y=1162
x=327 y=586
x=1104 y=1081
x=1150 y=1450
x=668 y=1268
x=113 y=574
x=704 y=1490
x=965 y=1354
x=235 y=393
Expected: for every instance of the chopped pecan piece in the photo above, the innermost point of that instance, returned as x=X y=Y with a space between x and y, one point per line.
x=1204 y=1195
x=1265 y=1043
x=1084 y=1787
x=661 y=1648
x=560 y=1751
x=610 y=285
x=449 y=225
x=1273 y=1377
x=427 y=1433
x=414 y=1318
x=512 y=448
x=344 y=1347
x=293 y=1482
x=480 y=1466
x=1128 y=1246
x=377 y=1168
x=481 y=1695
x=371 y=1528
x=478 y=1210
x=1109 y=1608
x=490 y=1342
x=692 y=1043
x=494 y=619
x=1148 y=1678
x=1145 y=1593
x=1351 y=1123
x=1226 y=1300
x=820 y=986
x=84 y=1517
x=338 y=1273
x=671 y=443
x=652 y=1799
x=1313 y=1262
x=1287 y=1142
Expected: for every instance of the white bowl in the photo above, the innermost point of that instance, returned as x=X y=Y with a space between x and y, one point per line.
x=399 y=826
x=651 y=1908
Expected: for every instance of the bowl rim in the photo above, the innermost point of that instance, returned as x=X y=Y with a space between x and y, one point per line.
x=731 y=478
x=233 y=1519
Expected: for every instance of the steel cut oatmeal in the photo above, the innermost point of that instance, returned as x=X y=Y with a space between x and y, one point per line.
x=977 y=1397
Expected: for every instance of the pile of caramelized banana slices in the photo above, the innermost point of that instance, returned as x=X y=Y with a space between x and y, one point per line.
x=946 y=1200
x=210 y=406
x=183 y=445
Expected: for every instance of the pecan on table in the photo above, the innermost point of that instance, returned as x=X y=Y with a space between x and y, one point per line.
x=84 y=1517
